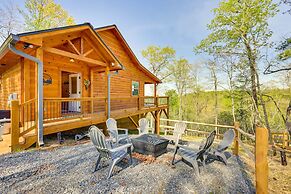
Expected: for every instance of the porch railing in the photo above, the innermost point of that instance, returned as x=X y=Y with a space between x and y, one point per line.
x=24 y=116
x=68 y=108
x=23 y=121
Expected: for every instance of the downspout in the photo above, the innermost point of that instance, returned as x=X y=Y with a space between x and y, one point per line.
x=39 y=90
x=109 y=74
x=108 y=95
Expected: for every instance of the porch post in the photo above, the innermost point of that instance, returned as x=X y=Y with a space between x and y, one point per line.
x=155 y=94
x=39 y=89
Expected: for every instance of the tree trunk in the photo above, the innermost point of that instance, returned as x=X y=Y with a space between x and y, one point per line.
x=180 y=107
x=264 y=108
x=253 y=70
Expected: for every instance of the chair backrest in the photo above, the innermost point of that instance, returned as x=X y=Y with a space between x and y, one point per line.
x=209 y=141
x=98 y=139
x=112 y=128
x=227 y=140
x=179 y=129
x=143 y=125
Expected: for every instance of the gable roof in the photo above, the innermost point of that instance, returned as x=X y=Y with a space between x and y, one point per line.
x=32 y=37
x=26 y=36
x=129 y=50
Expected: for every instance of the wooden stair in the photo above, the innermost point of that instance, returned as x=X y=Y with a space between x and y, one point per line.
x=24 y=142
x=27 y=140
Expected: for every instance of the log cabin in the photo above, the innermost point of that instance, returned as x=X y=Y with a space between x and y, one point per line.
x=70 y=77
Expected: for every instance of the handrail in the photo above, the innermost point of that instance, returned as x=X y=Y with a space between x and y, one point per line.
x=247 y=134
x=198 y=123
x=27 y=102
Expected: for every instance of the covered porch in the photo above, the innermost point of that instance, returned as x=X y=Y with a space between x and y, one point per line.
x=68 y=78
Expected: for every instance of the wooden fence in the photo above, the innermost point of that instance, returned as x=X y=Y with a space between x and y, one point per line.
x=260 y=149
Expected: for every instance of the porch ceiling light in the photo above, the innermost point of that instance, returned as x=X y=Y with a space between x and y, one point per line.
x=26 y=45
x=112 y=64
x=72 y=60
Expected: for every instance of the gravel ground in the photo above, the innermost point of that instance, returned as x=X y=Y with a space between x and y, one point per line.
x=69 y=169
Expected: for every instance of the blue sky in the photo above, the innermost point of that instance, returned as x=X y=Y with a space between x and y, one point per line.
x=179 y=24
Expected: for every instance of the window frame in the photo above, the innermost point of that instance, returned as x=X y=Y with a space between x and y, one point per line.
x=132 y=88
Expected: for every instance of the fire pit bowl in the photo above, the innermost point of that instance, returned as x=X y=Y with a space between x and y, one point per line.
x=150 y=144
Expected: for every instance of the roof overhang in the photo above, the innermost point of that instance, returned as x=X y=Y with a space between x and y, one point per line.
x=132 y=55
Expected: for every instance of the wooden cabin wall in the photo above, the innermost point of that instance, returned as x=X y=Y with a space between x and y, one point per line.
x=121 y=83
x=10 y=82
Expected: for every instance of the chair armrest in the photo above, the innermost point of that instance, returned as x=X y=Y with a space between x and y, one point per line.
x=122 y=147
x=138 y=130
x=122 y=129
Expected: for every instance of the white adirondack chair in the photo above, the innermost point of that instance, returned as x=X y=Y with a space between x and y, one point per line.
x=113 y=132
x=143 y=126
x=105 y=151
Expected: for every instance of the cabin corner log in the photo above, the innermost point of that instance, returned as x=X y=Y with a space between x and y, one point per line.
x=237 y=136
x=261 y=162
x=15 y=131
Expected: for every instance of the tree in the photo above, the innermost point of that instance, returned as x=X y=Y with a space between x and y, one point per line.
x=44 y=14
x=182 y=78
x=240 y=28
x=9 y=20
x=212 y=66
x=159 y=59
x=229 y=66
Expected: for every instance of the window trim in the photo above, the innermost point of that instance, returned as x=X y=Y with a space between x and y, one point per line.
x=138 y=89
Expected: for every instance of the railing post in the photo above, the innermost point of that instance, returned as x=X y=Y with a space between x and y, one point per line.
x=236 y=145
x=15 y=131
x=261 y=151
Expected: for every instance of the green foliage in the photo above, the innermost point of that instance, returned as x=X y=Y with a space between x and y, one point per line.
x=159 y=60
x=45 y=14
x=236 y=23
x=285 y=49
x=225 y=117
x=200 y=107
x=173 y=102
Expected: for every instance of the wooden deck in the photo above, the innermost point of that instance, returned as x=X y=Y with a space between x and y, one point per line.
x=56 y=120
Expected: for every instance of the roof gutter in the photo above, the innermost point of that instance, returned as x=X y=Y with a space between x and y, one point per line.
x=10 y=44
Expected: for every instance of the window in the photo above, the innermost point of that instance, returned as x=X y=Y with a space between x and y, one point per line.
x=134 y=88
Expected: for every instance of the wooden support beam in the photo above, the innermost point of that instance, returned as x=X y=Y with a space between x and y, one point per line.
x=164 y=110
x=153 y=115
x=15 y=131
x=88 y=40
x=88 y=52
x=133 y=121
x=74 y=56
x=261 y=164
x=73 y=47
x=82 y=45
x=157 y=122
x=26 y=72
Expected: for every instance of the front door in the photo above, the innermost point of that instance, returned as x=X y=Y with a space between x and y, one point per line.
x=75 y=92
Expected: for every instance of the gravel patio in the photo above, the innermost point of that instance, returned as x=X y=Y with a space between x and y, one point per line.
x=69 y=169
